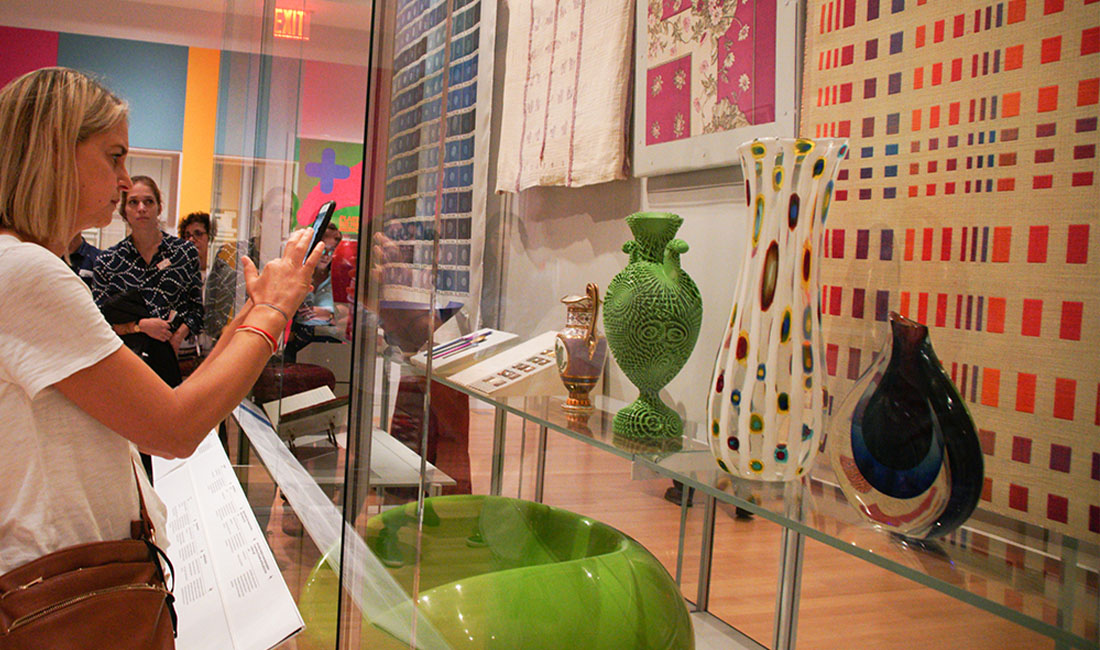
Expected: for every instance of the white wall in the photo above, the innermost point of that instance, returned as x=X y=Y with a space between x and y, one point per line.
x=556 y=240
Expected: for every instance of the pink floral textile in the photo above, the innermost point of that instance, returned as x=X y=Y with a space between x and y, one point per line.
x=670 y=117
x=711 y=67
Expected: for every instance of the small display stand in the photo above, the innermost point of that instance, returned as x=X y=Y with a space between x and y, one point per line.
x=313 y=428
x=525 y=369
x=313 y=411
x=465 y=350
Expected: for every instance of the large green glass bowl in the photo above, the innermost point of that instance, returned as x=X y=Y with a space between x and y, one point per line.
x=506 y=573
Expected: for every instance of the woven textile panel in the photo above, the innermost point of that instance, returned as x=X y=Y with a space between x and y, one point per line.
x=564 y=110
x=970 y=202
x=438 y=150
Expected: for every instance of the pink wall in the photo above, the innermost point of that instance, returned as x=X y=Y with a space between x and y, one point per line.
x=334 y=101
x=25 y=50
x=333 y=94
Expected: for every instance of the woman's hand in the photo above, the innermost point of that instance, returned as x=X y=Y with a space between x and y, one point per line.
x=178 y=336
x=319 y=313
x=155 y=328
x=285 y=281
x=126 y=395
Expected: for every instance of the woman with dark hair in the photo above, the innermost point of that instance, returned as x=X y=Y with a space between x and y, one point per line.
x=198 y=229
x=77 y=403
x=154 y=269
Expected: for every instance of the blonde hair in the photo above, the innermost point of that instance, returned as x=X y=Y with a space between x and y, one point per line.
x=44 y=115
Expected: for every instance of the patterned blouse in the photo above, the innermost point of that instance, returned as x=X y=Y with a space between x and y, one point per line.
x=170 y=281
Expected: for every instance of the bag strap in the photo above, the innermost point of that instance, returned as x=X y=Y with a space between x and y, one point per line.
x=143 y=528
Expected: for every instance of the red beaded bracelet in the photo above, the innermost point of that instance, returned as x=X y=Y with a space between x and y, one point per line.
x=267 y=337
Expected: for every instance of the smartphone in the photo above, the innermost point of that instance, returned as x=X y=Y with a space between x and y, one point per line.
x=320 y=224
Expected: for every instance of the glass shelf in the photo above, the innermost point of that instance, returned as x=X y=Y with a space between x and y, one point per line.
x=1038 y=579
x=1042 y=580
x=593 y=428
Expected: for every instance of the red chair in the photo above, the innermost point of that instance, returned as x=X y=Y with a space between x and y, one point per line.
x=278 y=379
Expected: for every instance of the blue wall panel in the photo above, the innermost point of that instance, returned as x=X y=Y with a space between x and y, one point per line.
x=237 y=111
x=150 y=76
x=258 y=99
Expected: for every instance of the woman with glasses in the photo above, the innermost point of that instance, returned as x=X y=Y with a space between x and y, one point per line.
x=198 y=229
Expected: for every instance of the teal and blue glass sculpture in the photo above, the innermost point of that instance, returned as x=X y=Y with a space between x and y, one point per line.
x=903 y=444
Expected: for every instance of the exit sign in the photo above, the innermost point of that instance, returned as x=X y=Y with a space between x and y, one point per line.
x=292 y=24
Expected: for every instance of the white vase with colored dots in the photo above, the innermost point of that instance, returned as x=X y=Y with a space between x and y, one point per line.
x=765 y=402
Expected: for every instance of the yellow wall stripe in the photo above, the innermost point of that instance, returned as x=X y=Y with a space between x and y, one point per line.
x=199 y=128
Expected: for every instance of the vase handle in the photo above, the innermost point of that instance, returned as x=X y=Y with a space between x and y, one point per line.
x=593 y=292
x=673 y=250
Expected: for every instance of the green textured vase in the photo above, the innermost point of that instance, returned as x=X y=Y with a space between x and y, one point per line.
x=652 y=313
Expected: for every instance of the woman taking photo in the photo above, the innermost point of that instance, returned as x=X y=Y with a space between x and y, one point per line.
x=154 y=274
x=76 y=403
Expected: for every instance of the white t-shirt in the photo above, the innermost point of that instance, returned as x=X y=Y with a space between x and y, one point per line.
x=65 y=478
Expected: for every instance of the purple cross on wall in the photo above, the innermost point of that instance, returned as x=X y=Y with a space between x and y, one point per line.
x=327 y=170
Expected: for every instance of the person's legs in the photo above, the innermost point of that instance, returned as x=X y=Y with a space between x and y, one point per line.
x=449 y=436
x=448 y=428
x=300 y=337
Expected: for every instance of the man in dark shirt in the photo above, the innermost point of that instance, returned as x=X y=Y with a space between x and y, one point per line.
x=82 y=258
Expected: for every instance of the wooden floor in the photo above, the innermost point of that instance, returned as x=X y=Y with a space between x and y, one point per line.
x=845 y=602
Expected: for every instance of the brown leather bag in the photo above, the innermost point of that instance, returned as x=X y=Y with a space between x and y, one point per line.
x=97 y=595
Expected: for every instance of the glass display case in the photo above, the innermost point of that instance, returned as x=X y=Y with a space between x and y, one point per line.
x=429 y=369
